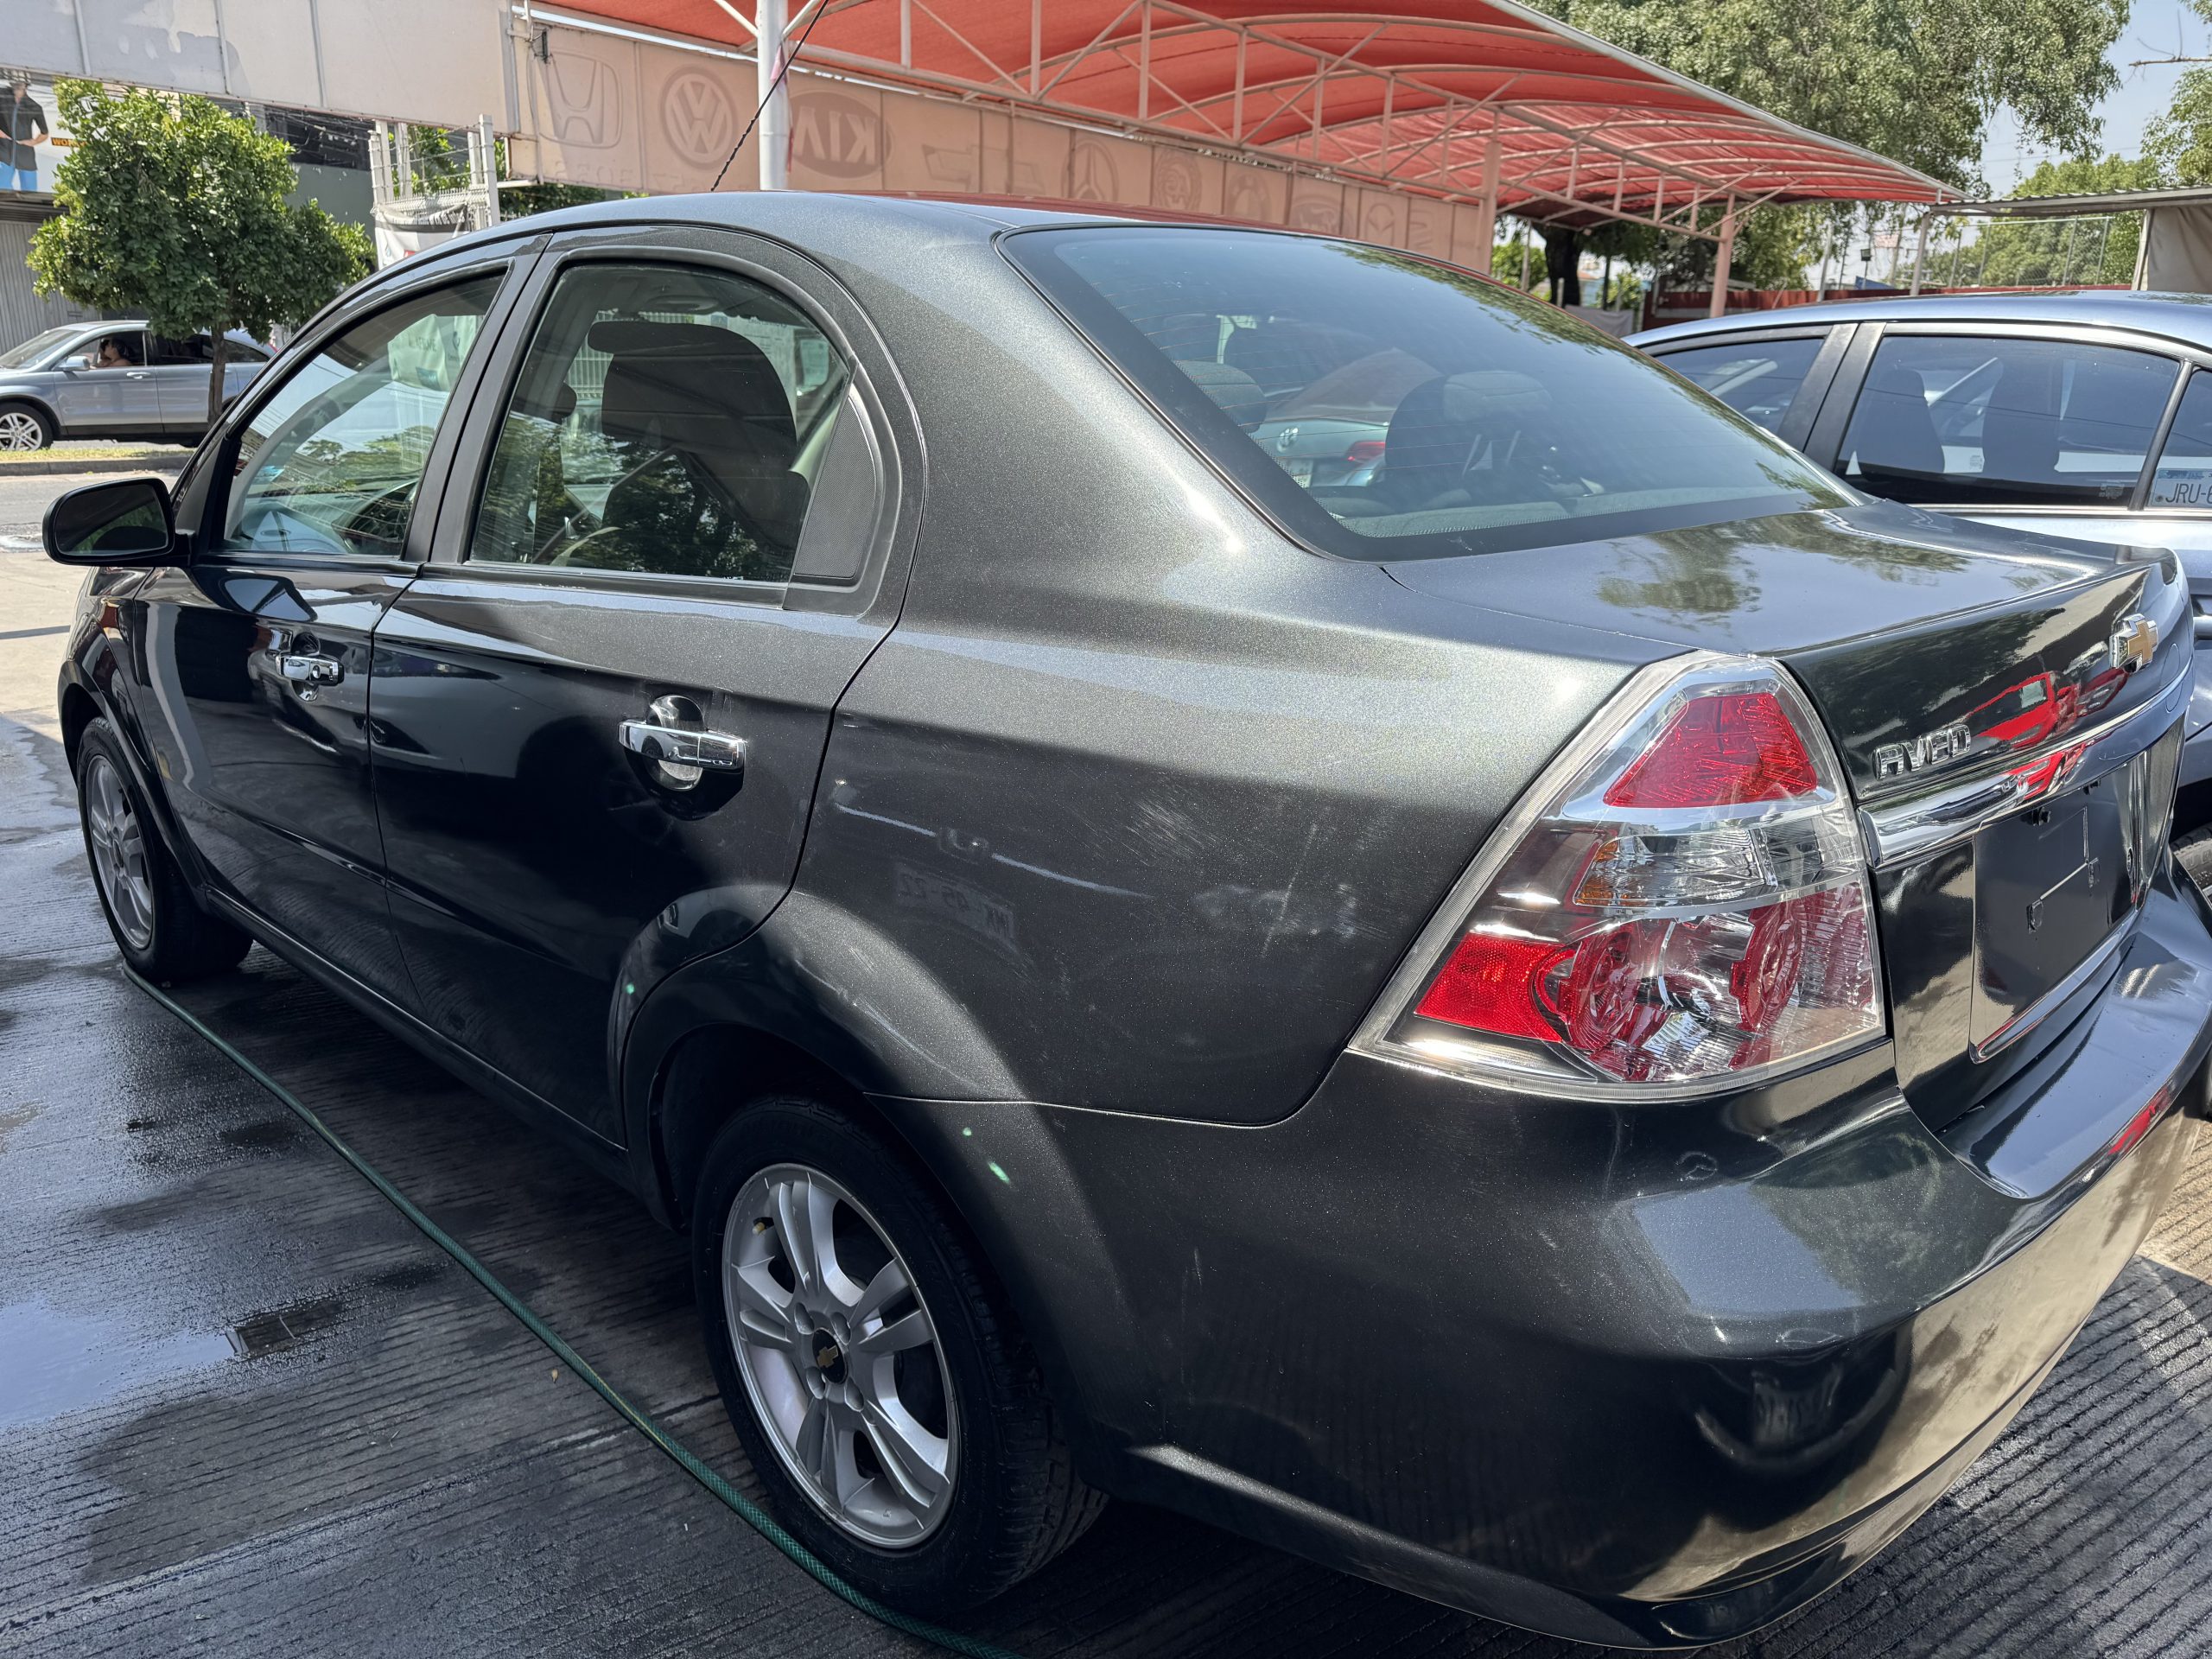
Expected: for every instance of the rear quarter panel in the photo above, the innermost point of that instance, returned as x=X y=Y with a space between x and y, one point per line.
x=1154 y=798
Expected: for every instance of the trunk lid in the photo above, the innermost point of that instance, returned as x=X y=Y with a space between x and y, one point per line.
x=2007 y=709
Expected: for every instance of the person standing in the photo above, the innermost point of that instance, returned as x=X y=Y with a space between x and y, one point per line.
x=22 y=129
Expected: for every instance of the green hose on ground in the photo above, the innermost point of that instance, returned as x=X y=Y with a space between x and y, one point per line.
x=751 y=1512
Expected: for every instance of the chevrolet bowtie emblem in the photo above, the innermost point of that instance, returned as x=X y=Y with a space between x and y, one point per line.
x=2133 y=643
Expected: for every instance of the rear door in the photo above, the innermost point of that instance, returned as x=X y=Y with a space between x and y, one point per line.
x=181 y=368
x=2033 y=426
x=600 y=713
x=308 y=520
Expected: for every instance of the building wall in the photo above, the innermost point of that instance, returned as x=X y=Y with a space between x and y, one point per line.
x=22 y=313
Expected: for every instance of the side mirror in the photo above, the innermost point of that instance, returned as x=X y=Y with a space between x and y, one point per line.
x=75 y=362
x=129 y=522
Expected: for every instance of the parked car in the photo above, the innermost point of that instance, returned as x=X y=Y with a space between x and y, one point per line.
x=59 y=384
x=1572 y=1028
x=2085 y=415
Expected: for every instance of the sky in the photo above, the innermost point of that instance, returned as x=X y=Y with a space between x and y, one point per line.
x=2150 y=33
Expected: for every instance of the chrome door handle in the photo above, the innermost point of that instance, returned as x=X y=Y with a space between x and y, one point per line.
x=135 y=374
x=678 y=744
x=311 y=670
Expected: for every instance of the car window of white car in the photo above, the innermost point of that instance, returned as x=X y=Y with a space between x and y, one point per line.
x=330 y=463
x=1758 y=379
x=1973 y=421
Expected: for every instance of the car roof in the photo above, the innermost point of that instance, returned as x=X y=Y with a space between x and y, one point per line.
x=854 y=227
x=2186 y=318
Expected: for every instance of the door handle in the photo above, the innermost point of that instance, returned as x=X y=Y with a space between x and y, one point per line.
x=135 y=374
x=311 y=670
x=677 y=743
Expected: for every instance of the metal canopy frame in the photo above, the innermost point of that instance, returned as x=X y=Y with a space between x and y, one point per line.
x=1483 y=102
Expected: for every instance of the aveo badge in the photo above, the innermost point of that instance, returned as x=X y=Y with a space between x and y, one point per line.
x=1928 y=749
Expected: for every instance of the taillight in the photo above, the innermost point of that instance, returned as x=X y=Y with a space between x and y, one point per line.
x=1363 y=450
x=1681 y=902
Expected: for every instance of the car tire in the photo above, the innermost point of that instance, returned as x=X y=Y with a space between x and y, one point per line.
x=2193 y=852
x=157 y=920
x=24 y=427
x=1012 y=1499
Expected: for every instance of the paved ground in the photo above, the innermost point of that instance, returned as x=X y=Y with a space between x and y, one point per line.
x=245 y=1408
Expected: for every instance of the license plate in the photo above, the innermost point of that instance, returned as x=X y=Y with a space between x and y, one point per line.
x=1301 y=471
x=2050 y=885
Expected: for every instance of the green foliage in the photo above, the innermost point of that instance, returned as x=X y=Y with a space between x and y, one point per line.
x=2178 y=140
x=1914 y=80
x=173 y=208
x=1505 y=262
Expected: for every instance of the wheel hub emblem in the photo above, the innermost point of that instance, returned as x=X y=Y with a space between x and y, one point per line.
x=829 y=1358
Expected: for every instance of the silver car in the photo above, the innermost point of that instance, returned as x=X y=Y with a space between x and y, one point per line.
x=2082 y=415
x=114 y=379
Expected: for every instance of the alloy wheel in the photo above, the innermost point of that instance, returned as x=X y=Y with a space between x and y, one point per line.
x=119 y=854
x=19 y=430
x=840 y=1355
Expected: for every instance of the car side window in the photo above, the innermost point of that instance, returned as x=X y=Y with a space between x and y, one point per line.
x=331 y=461
x=121 y=348
x=2184 y=475
x=1973 y=421
x=1757 y=378
x=168 y=353
x=666 y=419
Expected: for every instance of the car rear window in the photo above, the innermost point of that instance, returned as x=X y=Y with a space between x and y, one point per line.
x=1383 y=406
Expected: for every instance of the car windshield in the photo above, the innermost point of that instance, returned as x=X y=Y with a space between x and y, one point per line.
x=1485 y=418
x=23 y=356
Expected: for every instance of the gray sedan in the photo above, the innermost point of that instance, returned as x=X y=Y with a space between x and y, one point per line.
x=1571 y=1023
x=114 y=379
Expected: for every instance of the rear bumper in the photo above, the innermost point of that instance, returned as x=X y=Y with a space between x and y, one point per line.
x=1652 y=1377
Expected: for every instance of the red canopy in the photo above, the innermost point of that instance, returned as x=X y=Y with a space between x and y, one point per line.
x=1411 y=95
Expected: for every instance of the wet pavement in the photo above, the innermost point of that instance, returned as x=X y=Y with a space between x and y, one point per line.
x=246 y=1408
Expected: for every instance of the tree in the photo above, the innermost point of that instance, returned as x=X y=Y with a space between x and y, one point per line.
x=2178 y=142
x=1505 y=261
x=172 y=207
x=1917 y=80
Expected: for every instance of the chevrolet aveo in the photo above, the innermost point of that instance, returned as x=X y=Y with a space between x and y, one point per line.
x=1541 y=1017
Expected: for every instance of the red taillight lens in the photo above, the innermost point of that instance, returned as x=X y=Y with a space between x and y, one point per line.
x=1363 y=451
x=1685 y=898
x=1720 y=751
x=1489 y=984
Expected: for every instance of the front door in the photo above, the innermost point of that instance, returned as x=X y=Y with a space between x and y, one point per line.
x=256 y=683
x=600 y=715
x=124 y=398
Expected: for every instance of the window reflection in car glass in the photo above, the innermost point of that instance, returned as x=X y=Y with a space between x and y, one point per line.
x=2184 y=474
x=666 y=420
x=1391 y=407
x=331 y=462
x=1961 y=419
x=1760 y=380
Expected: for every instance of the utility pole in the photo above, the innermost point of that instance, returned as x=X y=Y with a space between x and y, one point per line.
x=774 y=136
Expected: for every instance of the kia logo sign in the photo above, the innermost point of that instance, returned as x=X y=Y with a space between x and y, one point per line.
x=837 y=136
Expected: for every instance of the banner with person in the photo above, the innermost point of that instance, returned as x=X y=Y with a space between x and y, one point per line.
x=32 y=140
